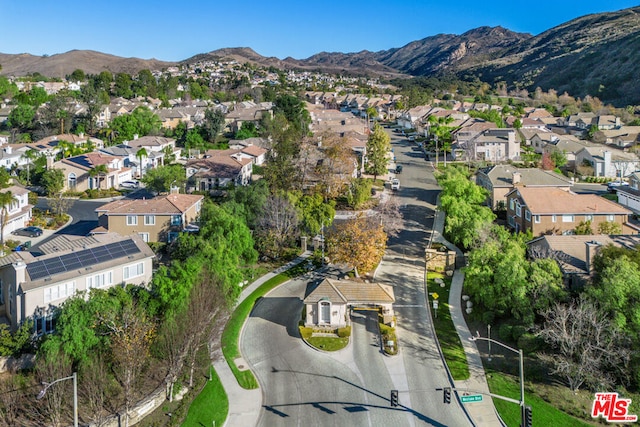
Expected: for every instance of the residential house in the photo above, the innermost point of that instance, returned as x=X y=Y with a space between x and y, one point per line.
x=219 y=168
x=493 y=145
x=556 y=211
x=78 y=175
x=499 y=180
x=621 y=137
x=35 y=285
x=468 y=130
x=329 y=303
x=607 y=161
x=155 y=147
x=576 y=123
x=409 y=118
x=18 y=211
x=81 y=140
x=246 y=111
x=606 y=122
x=575 y=253
x=159 y=219
x=629 y=195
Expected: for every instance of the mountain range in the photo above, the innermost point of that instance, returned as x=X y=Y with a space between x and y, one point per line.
x=591 y=55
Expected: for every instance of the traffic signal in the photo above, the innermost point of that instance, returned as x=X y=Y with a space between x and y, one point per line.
x=447 y=395
x=527 y=417
x=394 y=397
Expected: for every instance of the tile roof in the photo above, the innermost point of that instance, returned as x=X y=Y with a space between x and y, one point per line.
x=171 y=204
x=548 y=201
x=351 y=292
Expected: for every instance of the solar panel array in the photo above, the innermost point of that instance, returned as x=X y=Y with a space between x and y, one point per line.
x=81 y=259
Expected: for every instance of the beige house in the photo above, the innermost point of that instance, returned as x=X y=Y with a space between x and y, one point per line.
x=329 y=303
x=155 y=220
x=77 y=171
x=556 y=211
x=34 y=286
x=19 y=211
x=499 y=180
x=219 y=168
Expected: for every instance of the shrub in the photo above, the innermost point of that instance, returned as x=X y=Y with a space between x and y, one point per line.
x=344 y=332
x=517 y=331
x=488 y=317
x=529 y=343
x=505 y=332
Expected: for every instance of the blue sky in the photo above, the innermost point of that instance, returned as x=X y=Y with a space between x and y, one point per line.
x=174 y=30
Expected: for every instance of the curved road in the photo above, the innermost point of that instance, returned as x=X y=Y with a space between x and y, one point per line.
x=305 y=387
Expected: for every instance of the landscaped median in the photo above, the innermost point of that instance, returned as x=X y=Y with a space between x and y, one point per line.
x=326 y=340
x=231 y=334
x=447 y=334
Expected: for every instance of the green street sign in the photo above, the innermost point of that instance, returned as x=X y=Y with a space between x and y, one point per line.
x=471 y=398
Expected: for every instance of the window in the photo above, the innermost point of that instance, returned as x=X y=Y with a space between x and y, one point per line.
x=536 y=219
x=144 y=236
x=43 y=320
x=131 y=271
x=518 y=209
x=64 y=290
x=567 y=218
x=511 y=204
x=100 y=280
x=149 y=220
x=512 y=221
x=72 y=182
x=132 y=220
x=527 y=215
x=176 y=220
x=588 y=217
x=553 y=218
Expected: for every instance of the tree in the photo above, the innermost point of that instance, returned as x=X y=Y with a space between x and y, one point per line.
x=378 y=146
x=148 y=123
x=53 y=181
x=141 y=154
x=77 y=76
x=161 y=179
x=6 y=199
x=99 y=171
x=314 y=212
x=213 y=123
x=277 y=227
x=359 y=243
x=94 y=390
x=589 y=348
x=547 y=162
x=247 y=130
x=559 y=158
x=21 y=117
x=123 y=84
x=95 y=99
x=335 y=167
x=390 y=216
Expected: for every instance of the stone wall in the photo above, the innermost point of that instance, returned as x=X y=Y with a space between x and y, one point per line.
x=440 y=259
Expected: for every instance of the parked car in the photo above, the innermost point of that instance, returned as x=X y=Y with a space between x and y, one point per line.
x=612 y=186
x=130 y=184
x=399 y=169
x=395 y=184
x=28 y=231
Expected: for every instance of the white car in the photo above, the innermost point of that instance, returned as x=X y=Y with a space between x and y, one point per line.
x=395 y=184
x=130 y=184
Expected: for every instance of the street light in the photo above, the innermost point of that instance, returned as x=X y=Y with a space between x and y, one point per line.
x=519 y=351
x=73 y=377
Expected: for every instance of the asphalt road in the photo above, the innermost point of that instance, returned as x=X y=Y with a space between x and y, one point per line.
x=81 y=211
x=303 y=386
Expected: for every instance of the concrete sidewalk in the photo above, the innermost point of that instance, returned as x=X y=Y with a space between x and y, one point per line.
x=482 y=413
x=245 y=405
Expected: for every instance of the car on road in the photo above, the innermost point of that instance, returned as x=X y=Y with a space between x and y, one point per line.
x=28 y=231
x=399 y=169
x=130 y=184
x=395 y=184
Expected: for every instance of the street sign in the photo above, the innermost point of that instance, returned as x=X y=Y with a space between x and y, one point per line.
x=434 y=295
x=471 y=398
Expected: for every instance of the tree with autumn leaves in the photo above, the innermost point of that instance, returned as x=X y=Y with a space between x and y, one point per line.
x=359 y=243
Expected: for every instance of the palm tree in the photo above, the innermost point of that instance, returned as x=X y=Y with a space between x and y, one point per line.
x=6 y=199
x=30 y=155
x=98 y=171
x=141 y=154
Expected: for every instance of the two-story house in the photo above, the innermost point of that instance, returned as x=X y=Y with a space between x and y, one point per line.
x=219 y=168
x=556 y=211
x=494 y=145
x=499 y=180
x=18 y=211
x=608 y=162
x=35 y=286
x=155 y=220
x=629 y=195
x=79 y=176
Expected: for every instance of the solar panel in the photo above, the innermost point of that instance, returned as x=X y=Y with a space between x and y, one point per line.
x=84 y=258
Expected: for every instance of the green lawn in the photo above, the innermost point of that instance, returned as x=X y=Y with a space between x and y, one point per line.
x=210 y=406
x=231 y=333
x=448 y=337
x=328 y=343
x=544 y=414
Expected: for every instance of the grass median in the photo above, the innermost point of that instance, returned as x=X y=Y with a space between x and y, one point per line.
x=231 y=334
x=447 y=334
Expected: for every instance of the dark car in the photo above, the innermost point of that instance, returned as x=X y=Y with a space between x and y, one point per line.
x=28 y=231
x=399 y=169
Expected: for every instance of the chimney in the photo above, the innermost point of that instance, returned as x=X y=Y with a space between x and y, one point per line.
x=81 y=135
x=135 y=136
x=20 y=268
x=516 y=178
x=174 y=189
x=591 y=251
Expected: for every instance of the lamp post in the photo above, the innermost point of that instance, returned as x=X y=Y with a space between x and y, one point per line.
x=519 y=352
x=489 y=335
x=73 y=377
